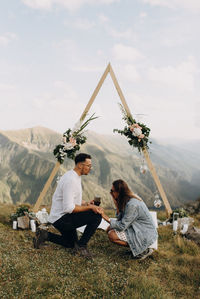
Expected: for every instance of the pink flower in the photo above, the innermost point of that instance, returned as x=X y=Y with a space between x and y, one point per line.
x=140 y=137
x=72 y=141
x=135 y=126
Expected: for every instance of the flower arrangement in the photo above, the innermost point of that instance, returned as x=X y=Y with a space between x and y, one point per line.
x=137 y=133
x=21 y=211
x=181 y=213
x=72 y=140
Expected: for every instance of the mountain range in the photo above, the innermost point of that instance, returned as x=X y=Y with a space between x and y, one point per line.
x=27 y=159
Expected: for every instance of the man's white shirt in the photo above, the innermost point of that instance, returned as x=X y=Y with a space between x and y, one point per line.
x=68 y=194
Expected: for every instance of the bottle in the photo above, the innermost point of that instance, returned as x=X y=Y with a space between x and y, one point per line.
x=14 y=224
x=175 y=221
x=33 y=225
x=175 y=225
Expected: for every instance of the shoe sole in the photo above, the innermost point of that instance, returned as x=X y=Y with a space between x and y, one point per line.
x=146 y=255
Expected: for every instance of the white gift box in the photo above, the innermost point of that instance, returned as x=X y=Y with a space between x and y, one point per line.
x=42 y=216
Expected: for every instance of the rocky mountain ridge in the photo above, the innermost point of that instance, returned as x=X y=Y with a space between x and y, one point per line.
x=27 y=160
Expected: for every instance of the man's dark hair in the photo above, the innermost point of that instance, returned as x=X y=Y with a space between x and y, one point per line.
x=82 y=157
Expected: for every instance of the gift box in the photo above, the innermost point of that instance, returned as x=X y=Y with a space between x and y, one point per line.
x=23 y=222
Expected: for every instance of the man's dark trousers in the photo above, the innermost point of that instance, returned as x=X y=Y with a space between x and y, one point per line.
x=68 y=224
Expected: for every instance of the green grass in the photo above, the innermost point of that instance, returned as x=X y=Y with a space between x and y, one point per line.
x=54 y=272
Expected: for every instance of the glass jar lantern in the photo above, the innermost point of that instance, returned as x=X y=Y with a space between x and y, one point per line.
x=157 y=202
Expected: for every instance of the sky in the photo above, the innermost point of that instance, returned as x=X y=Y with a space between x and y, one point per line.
x=54 y=52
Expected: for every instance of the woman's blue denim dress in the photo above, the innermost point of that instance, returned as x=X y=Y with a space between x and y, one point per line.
x=138 y=225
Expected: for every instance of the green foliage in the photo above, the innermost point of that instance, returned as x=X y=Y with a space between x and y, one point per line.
x=19 y=212
x=135 y=141
x=60 y=152
x=73 y=140
x=23 y=173
x=181 y=213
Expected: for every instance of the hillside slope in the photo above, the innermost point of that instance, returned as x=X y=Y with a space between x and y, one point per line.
x=27 y=161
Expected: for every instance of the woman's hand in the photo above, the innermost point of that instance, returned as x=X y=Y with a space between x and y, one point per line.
x=104 y=216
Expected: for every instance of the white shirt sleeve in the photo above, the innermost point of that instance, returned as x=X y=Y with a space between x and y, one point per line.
x=67 y=194
x=69 y=191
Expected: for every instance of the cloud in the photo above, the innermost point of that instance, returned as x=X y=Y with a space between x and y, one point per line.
x=129 y=73
x=103 y=19
x=87 y=69
x=126 y=53
x=193 y=5
x=38 y=4
x=180 y=77
x=115 y=33
x=68 y=46
x=143 y=15
x=83 y=24
x=197 y=114
x=4 y=87
x=6 y=38
x=70 y=5
x=165 y=118
x=58 y=106
x=127 y=34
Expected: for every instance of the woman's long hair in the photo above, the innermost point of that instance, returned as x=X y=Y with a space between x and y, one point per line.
x=125 y=194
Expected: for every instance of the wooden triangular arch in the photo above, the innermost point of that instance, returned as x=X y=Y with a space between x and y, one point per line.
x=145 y=152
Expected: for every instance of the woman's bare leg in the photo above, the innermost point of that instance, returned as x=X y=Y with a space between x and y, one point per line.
x=114 y=238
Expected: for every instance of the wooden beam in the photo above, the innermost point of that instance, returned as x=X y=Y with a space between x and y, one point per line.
x=158 y=183
x=119 y=91
x=55 y=170
x=146 y=155
x=46 y=187
x=87 y=108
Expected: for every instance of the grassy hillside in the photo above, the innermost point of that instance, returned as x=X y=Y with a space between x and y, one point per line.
x=27 y=161
x=54 y=272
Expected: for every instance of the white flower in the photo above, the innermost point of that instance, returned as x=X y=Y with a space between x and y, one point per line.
x=68 y=146
x=137 y=132
x=62 y=154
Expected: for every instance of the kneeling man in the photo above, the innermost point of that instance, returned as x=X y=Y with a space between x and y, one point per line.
x=68 y=211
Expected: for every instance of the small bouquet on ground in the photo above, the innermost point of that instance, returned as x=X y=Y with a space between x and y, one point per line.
x=137 y=133
x=21 y=217
x=181 y=213
x=72 y=140
x=21 y=211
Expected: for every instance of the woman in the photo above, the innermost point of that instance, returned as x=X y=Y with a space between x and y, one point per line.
x=134 y=225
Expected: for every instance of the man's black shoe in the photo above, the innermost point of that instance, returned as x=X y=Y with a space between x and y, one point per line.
x=40 y=237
